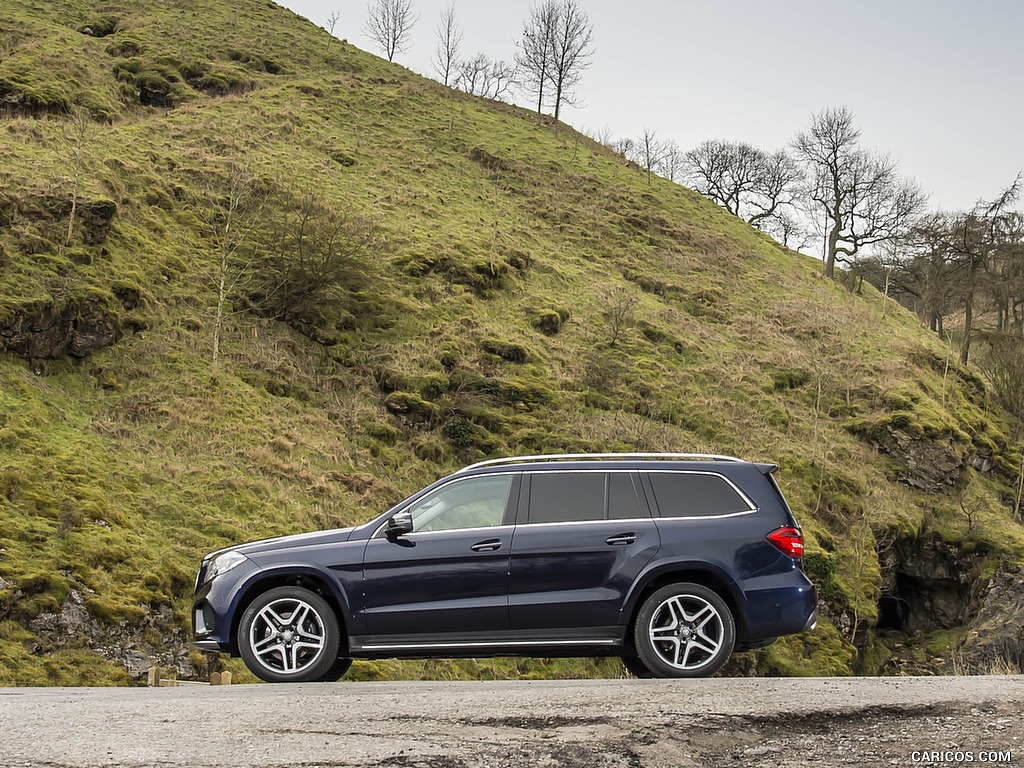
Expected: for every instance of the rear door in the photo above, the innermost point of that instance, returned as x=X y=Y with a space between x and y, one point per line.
x=581 y=539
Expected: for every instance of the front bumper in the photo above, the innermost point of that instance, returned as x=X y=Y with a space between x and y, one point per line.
x=214 y=607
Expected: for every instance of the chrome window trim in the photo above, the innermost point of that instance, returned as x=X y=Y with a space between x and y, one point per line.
x=623 y=520
x=457 y=477
x=708 y=517
x=457 y=530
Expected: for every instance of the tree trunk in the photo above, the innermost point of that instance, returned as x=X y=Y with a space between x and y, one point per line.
x=218 y=322
x=830 y=258
x=965 y=349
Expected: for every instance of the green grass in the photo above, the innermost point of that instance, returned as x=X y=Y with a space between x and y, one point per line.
x=481 y=328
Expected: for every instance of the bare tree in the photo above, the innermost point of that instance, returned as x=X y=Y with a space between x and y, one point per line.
x=755 y=185
x=648 y=151
x=974 y=240
x=76 y=137
x=389 y=25
x=571 y=54
x=332 y=22
x=857 y=194
x=618 y=308
x=603 y=136
x=925 y=277
x=449 y=44
x=671 y=164
x=1004 y=365
x=310 y=255
x=484 y=76
x=230 y=210
x=1004 y=279
x=625 y=147
x=536 y=48
x=556 y=47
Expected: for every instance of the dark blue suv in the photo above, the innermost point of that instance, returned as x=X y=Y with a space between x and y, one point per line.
x=668 y=560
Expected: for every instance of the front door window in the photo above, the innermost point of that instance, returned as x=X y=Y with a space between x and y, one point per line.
x=476 y=502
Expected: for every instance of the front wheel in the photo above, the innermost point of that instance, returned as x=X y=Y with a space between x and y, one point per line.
x=684 y=630
x=289 y=635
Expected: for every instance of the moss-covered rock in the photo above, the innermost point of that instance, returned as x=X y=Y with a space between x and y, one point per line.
x=506 y=350
x=411 y=407
x=548 y=321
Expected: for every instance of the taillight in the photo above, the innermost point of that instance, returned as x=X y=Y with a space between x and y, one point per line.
x=788 y=540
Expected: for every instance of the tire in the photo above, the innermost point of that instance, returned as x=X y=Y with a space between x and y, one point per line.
x=636 y=668
x=289 y=635
x=684 y=630
x=336 y=672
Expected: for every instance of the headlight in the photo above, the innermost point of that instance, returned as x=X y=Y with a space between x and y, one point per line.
x=223 y=564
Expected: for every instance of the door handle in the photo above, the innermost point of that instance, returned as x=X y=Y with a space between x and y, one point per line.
x=622 y=538
x=487 y=546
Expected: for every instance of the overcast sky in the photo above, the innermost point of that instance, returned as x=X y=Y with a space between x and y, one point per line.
x=938 y=83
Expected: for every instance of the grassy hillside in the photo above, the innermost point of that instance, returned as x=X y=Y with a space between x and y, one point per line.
x=494 y=286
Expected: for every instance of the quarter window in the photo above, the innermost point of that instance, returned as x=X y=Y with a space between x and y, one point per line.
x=476 y=502
x=682 y=494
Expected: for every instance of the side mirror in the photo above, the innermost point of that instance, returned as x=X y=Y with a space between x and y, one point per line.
x=399 y=525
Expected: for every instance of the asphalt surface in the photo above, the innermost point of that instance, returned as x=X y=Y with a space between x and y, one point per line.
x=629 y=723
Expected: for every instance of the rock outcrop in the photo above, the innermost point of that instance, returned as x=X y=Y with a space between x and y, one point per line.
x=124 y=643
x=925 y=463
x=995 y=638
x=927 y=584
x=51 y=329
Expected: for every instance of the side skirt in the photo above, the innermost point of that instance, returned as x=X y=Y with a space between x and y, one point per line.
x=602 y=641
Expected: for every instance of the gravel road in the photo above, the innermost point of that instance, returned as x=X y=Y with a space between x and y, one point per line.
x=628 y=723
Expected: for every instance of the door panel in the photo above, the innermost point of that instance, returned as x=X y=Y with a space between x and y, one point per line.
x=568 y=575
x=574 y=573
x=450 y=574
x=426 y=583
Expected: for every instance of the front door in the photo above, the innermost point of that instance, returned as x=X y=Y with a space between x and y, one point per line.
x=450 y=574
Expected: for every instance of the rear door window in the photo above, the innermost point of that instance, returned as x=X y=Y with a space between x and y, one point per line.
x=566 y=497
x=570 y=497
x=623 y=503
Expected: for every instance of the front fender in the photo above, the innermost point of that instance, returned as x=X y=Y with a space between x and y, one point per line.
x=279 y=573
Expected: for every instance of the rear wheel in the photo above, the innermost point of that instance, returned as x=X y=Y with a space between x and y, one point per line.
x=684 y=630
x=289 y=635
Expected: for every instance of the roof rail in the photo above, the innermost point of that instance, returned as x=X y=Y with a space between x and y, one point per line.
x=585 y=456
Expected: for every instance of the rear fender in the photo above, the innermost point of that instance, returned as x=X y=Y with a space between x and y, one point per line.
x=710 y=574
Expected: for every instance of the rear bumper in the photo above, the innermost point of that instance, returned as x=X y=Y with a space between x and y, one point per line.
x=812 y=621
x=779 y=604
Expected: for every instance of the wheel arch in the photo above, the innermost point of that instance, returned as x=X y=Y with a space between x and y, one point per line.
x=705 y=574
x=305 y=577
